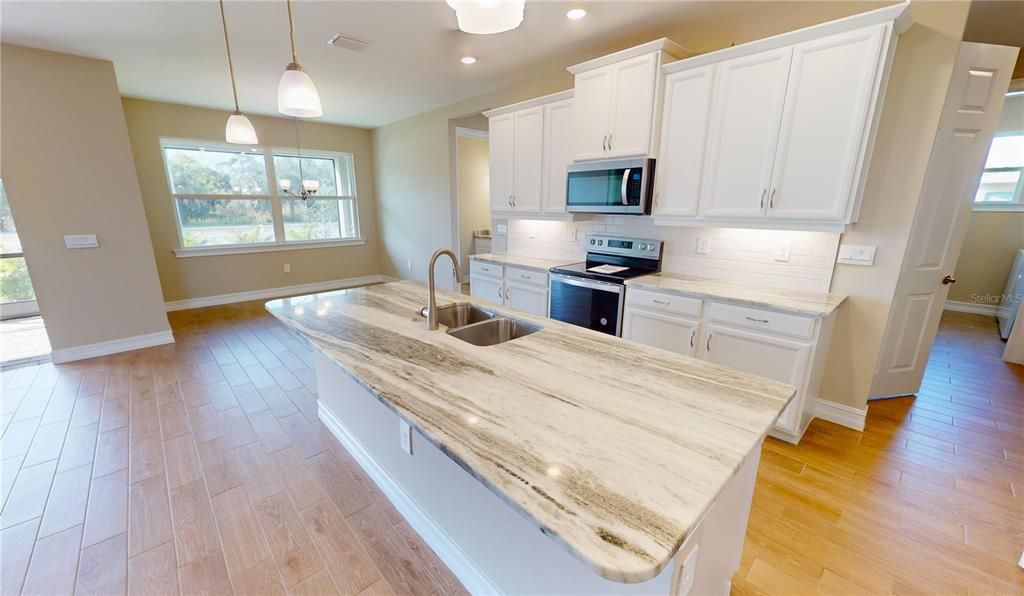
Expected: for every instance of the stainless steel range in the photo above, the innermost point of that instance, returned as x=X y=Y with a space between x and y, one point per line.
x=591 y=294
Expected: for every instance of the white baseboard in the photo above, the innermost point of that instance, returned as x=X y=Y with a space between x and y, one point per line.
x=842 y=415
x=471 y=576
x=268 y=293
x=114 y=346
x=971 y=307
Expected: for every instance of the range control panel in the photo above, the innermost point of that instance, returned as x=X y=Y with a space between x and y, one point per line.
x=627 y=247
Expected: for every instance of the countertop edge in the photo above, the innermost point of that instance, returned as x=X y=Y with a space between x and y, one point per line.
x=823 y=313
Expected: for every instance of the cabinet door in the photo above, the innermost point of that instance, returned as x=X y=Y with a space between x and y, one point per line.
x=487 y=288
x=501 y=155
x=531 y=299
x=745 y=115
x=558 y=154
x=683 y=135
x=771 y=357
x=824 y=123
x=529 y=159
x=633 y=106
x=661 y=331
x=592 y=107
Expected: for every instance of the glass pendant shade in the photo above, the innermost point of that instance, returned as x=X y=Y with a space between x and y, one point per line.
x=297 y=95
x=484 y=17
x=239 y=130
x=311 y=185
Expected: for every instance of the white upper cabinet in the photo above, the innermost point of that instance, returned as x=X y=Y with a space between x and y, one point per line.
x=617 y=101
x=683 y=135
x=529 y=159
x=824 y=125
x=745 y=117
x=592 y=101
x=501 y=152
x=558 y=154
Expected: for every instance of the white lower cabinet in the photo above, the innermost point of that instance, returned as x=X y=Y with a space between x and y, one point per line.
x=515 y=287
x=782 y=347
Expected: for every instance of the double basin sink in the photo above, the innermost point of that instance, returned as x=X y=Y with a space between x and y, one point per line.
x=479 y=326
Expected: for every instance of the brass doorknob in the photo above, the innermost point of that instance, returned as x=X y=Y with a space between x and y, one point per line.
x=949 y=279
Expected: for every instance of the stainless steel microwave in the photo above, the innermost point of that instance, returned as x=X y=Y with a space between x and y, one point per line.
x=622 y=186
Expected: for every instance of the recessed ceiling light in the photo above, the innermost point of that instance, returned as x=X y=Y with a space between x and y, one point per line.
x=576 y=14
x=468 y=60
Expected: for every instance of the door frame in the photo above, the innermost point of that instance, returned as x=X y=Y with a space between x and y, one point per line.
x=470 y=133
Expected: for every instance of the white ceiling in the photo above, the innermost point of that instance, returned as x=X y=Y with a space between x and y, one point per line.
x=174 y=51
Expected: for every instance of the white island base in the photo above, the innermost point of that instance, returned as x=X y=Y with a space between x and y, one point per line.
x=487 y=543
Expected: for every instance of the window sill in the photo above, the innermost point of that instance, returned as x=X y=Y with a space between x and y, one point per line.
x=1007 y=208
x=216 y=251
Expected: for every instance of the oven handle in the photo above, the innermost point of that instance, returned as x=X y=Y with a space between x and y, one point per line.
x=593 y=285
x=625 y=182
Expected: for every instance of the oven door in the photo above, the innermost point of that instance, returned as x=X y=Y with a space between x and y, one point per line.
x=593 y=304
x=621 y=186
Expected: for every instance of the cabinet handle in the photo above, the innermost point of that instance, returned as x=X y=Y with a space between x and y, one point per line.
x=525 y=276
x=513 y=201
x=764 y=191
x=506 y=293
x=757 y=320
x=693 y=334
x=771 y=200
x=509 y=200
x=500 y=295
x=663 y=302
x=604 y=143
x=708 y=344
x=609 y=141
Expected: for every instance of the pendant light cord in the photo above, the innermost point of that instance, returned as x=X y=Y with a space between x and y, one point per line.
x=291 y=32
x=298 y=149
x=231 y=67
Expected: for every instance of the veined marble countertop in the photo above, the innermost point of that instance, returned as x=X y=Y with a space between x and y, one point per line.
x=526 y=262
x=815 y=304
x=613 y=449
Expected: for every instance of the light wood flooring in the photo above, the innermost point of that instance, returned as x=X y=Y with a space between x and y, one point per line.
x=201 y=467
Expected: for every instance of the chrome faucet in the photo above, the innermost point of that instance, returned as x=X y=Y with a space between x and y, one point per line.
x=432 y=301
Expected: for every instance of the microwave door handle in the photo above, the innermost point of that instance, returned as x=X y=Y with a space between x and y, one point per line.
x=625 y=183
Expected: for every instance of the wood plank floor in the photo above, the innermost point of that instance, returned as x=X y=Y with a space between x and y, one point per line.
x=201 y=467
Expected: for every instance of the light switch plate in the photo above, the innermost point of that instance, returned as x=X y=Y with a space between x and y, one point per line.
x=81 y=241
x=405 y=436
x=853 y=254
x=501 y=229
x=689 y=573
x=782 y=251
x=703 y=243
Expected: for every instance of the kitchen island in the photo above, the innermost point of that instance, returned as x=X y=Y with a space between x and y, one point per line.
x=563 y=461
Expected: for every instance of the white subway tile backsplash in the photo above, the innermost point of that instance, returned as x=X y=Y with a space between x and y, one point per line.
x=734 y=255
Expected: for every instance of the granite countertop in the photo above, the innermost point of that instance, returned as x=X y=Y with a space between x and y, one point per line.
x=613 y=449
x=526 y=262
x=801 y=302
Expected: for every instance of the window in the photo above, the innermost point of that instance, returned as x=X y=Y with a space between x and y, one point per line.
x=1002 y=179
x=229 y=198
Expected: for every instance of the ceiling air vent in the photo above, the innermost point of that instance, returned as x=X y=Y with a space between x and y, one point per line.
x=340 y=40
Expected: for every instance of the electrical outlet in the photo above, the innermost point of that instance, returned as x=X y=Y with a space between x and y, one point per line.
x=782 y=251
x=409 y=265
x=405 y=436
x=572 y=235
x=703 y=243
x=689 y=573
x=287 y=268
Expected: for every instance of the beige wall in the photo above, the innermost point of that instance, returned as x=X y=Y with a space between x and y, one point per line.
x=474 y=202
x=993 y=239
x=67 y=168
x=197 y=277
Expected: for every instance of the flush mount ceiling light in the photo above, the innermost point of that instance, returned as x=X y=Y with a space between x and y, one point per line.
x=239 y=129
x=296 y=94
x=484 y=17
x=576 y=14
x=468 y=60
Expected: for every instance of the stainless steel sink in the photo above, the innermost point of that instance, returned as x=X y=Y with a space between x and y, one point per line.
x=493 y=331
x=460 y=314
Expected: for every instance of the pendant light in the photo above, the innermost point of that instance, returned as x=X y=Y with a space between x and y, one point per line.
x=484 y=17
x=238 y=130
x=296 y=93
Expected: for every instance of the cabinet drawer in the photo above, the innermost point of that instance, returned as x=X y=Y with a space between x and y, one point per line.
x=668 y=303
x=764 y=320
x=516 y=275
x=482 y=268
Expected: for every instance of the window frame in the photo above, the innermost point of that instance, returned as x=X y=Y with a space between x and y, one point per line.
x=1017 y=203
x=348 y=203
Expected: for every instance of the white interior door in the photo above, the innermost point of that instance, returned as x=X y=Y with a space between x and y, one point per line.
x=529 y=159
x=972 y=107
x=633 y=108
x=745 y=116
x=501 y=151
